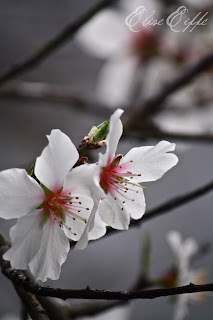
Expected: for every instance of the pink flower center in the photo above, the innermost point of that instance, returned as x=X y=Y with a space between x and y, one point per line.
x=145 y=43
x=113 y=179
x=59 y=205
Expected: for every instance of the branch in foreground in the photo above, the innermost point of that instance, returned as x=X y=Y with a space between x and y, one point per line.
x=29 y=300
x=154 y=104
x=111 y=295
x=22 y=282
x=67 y=33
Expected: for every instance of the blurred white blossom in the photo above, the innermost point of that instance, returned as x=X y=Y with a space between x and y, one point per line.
x=106 y=36
x=183 y=252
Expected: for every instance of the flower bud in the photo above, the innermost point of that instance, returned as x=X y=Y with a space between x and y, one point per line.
x=97 y=133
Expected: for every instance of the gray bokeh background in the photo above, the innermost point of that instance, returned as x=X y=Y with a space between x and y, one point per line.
x=111 y=263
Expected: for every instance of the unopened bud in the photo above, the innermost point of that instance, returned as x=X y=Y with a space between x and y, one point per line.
x=97 y=133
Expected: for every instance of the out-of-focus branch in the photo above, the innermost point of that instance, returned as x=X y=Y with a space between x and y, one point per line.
x=58 y=41
x=32 y=305
x=154 y=104
x=62 y=94
x=161 y=134
x=165 y=207
x=54 y=93
x=170 y=205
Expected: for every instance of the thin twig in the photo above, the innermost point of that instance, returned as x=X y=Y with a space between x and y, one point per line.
x=66 y=34
x=154 y=104
x=165 y=207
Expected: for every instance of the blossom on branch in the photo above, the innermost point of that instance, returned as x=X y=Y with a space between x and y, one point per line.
x=107 y=37
x=50 y=212
x=120 y=176
x=184 y=252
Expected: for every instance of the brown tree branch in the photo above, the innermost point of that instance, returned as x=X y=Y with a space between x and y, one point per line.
x=90 y=294
x=23 y=283
x=32 y=305
x=44 y=52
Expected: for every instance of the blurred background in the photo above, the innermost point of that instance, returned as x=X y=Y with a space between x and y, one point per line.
x=80 y=85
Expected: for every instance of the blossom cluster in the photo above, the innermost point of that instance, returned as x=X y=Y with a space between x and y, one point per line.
x=78 y=203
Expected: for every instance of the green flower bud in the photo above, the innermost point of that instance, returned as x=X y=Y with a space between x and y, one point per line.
x=97 y=133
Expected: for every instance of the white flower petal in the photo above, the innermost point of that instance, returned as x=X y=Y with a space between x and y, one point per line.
x=198 y=4
x=106 y=212
x=56 y=160
x=121 y=218
x=112 y=139
x=104 y=35
x=25 y=237
x=116 y=80
x=85 y=181
x=150 y=163
x=19 y=193
x=174 y=241
x=136 y=208
x=77 y=221
x=181 y=308
x=99 y=229
x=190 y=247
x=52 y=253
x=150 y=5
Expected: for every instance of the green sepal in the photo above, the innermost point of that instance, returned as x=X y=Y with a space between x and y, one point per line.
x=31 y=170
x=47 y=191
x=41 y=205
x=45 y=217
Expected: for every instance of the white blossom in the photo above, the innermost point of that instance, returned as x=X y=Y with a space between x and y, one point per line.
x=120 y=176
x=50 y=212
